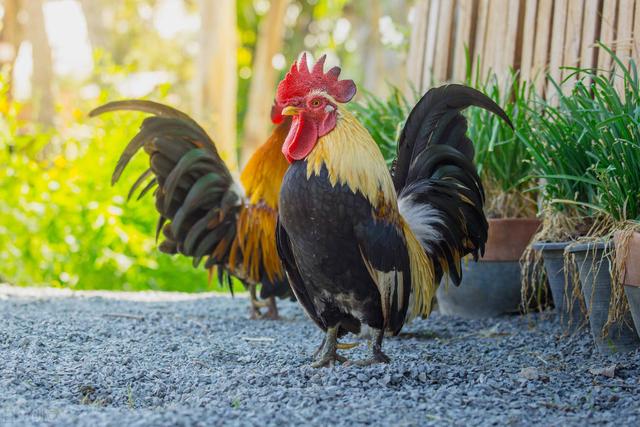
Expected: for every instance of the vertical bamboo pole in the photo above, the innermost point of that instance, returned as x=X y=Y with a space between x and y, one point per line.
x=589 y=34
x=607 y=32
x=463 y=42
x=528 y=40
x=217 y=77
x=542 y=39
x=417 y=46
x=636 y=33
x=42 y=78
x=480 y=38
x=573 y=38
x=443 y=44
x=511 y=47
x=430 y=48
x=263 y=78
x=557 y=44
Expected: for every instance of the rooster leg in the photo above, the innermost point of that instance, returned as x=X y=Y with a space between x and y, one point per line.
x=272 y=310
x=377 y=356
x=328 y=355
x=255 y=305
x=316 y=353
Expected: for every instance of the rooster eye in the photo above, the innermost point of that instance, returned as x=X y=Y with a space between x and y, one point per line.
x=316 y=102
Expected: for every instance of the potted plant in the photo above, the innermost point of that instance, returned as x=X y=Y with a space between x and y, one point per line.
x=615 y=112
x=627 y=246
x=562 y=165
x=600 y=120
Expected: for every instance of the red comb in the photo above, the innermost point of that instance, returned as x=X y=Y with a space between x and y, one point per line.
x=299 y=81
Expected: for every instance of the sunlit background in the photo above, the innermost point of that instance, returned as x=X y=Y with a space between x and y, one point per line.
x=219 y=61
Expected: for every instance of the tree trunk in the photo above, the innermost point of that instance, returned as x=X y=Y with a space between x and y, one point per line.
x=263 y=79
x=95 y=25
x=42 y=78
x=217 y=83
x=10 y=40
x=371 y=48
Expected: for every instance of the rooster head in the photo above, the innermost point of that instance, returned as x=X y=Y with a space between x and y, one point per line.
x=311 y=97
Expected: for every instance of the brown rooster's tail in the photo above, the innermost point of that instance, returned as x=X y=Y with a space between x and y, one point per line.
x=194 y=189
x=439 y=191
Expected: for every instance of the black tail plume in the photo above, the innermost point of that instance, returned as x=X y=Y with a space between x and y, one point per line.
x=439 y=191
x=195 y=194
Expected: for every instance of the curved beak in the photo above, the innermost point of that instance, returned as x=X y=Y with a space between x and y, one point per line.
x=291 y=111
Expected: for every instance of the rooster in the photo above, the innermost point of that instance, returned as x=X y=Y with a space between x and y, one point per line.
x=361 y=245
x=204 y=213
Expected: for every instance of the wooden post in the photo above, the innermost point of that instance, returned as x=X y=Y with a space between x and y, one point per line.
x=557 y=45
x=263 y=78
x=512 y=51
x=10 y=40
x=371 y=51
x=589 y=34
x=430 y=48
x=542 y=40
x=636 y=33
x=572 y=42
x=480 y=39
x=607 y=33
x=96 y=29
x=528 y=40
x=463 y=39
x=624 y=40
x=217 y=80
x=415 y=59
x=42 y=78
x=443 y=42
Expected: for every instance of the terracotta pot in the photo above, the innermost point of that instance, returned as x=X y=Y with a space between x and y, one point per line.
x=491 y=287
x=631 y=278
x=632 y=267
x=595 y=280
x=567 y=307
x=508 y=238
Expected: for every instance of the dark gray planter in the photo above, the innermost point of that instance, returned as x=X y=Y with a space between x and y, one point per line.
x=569 y=310
x=488 y=289
x=633 y=296
x=595 y=280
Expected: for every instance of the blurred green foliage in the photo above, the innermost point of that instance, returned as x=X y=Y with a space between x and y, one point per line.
x=62 y=222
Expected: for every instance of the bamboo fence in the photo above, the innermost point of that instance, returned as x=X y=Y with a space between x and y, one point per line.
x=452 y=38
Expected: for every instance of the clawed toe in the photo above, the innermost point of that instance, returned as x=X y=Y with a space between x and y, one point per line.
x=254 y=313
x=269 y=315
x=374 y=360
x=328 y=361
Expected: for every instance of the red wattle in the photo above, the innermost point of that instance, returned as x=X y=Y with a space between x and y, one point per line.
x=301 y=139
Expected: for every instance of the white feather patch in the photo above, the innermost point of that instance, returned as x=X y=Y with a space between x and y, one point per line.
x=237 y=188
x=421 y=218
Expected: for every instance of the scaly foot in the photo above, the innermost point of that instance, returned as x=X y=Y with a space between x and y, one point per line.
x=376 y=358
x=327 y=354
x=328 y=361
x=272 y=310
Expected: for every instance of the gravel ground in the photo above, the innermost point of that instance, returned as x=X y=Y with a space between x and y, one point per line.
x=170 y=359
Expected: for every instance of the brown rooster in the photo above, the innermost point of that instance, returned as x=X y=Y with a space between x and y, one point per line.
x=204 y=213
x=363 y=246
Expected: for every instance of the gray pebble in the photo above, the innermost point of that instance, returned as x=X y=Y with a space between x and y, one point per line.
x=69 y=361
